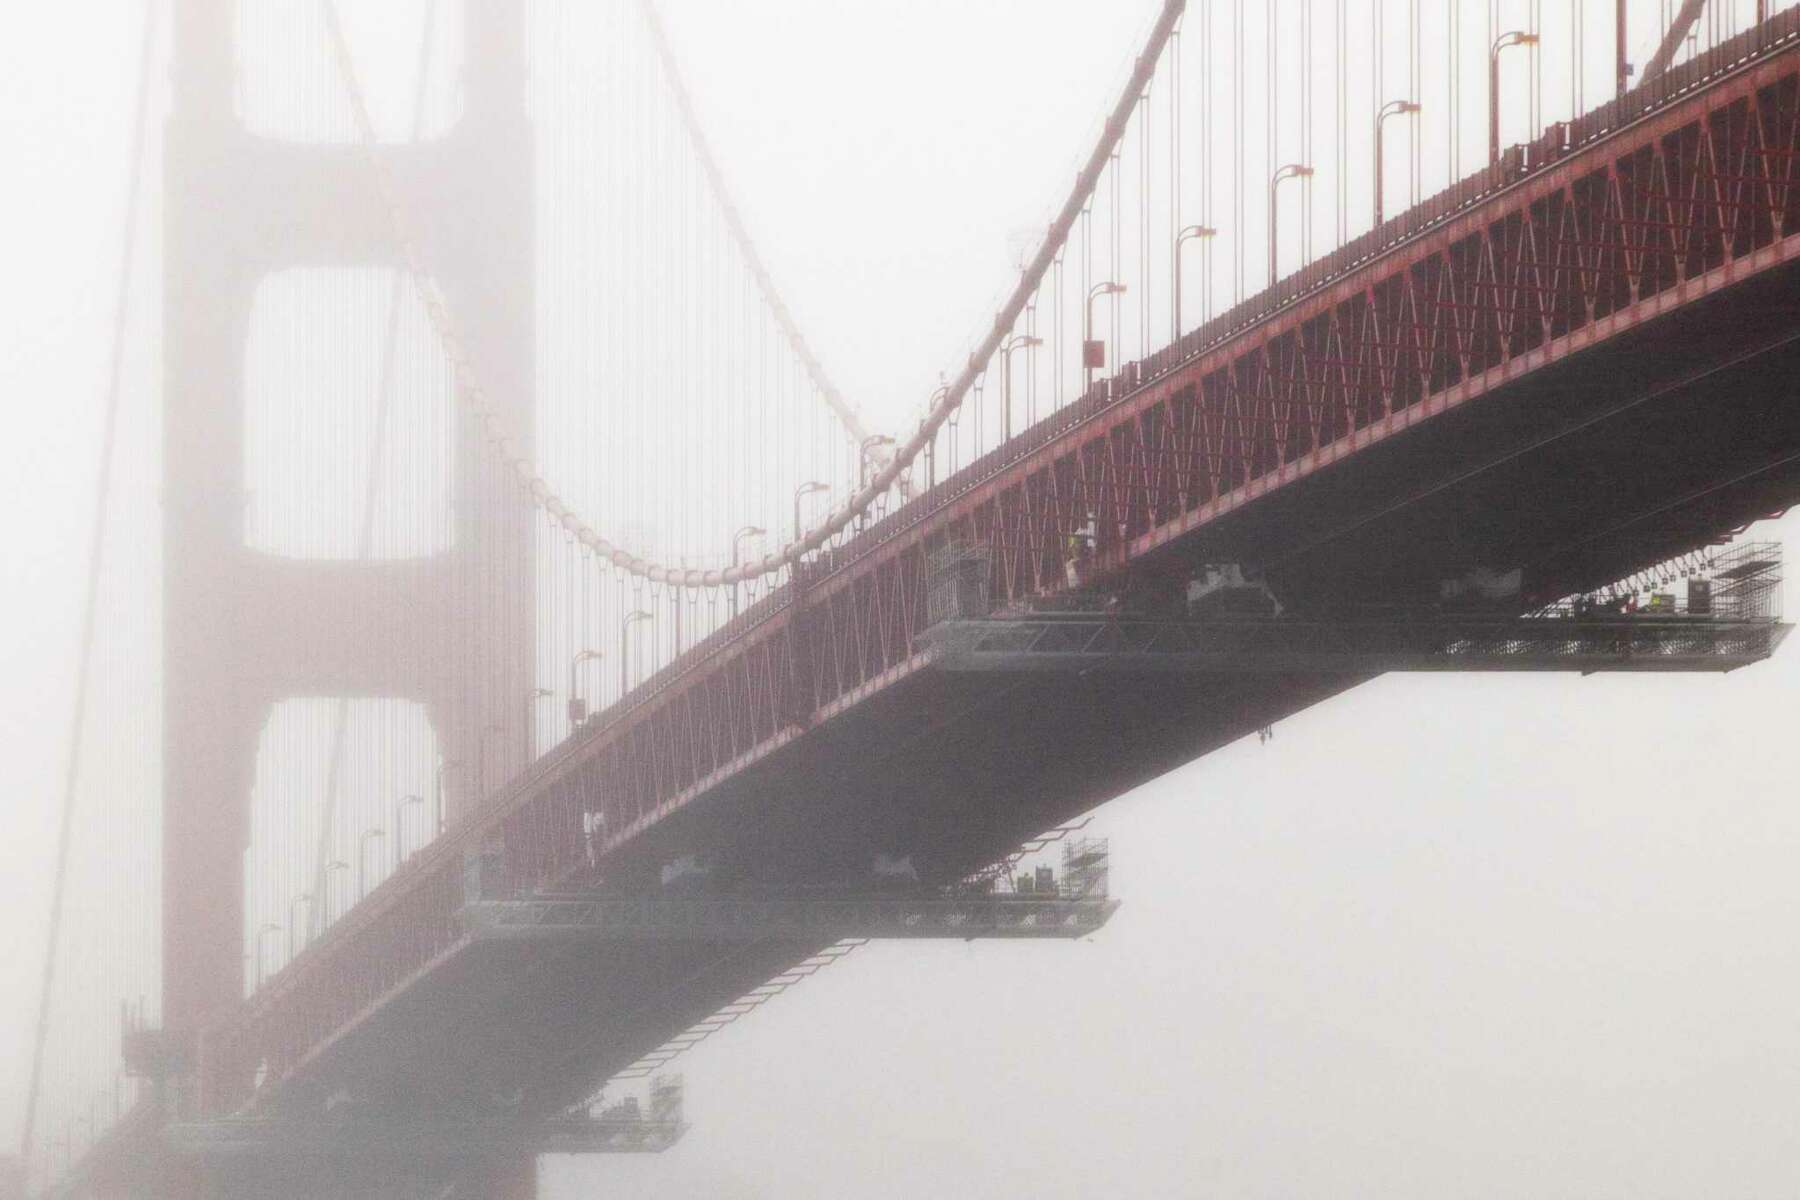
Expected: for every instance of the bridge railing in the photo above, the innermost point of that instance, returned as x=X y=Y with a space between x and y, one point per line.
x=1517 y=164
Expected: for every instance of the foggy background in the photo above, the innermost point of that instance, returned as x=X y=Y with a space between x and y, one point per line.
x=1474 y=936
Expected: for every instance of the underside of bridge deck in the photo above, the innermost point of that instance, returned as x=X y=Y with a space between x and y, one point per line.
x=1577 y=361
x=1579 y=473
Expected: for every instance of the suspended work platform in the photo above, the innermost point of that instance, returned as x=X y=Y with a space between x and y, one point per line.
x=360 y=1147
x=751 y=920
x=1078 y=642
x=1040 y=903
x=623 y=1129
x=1714 y=610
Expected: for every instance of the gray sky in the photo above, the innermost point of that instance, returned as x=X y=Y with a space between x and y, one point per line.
x=1481 y=936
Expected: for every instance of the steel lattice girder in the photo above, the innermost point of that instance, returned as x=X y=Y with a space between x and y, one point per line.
x=1672 y=193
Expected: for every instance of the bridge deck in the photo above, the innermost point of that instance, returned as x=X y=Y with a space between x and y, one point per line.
x=1579 y=362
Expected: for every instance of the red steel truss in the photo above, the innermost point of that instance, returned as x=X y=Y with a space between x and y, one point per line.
x=1681 y=190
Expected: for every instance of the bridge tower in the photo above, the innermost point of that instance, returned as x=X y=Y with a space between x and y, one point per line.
x=246 y=628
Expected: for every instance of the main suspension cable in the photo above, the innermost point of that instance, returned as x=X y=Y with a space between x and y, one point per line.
x=90 y=602
x=846 y=411
x=879 y=482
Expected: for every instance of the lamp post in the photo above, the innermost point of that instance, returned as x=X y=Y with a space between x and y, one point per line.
x=362 y=860
x=1285 y=172
x=1621 y=64
x=1192 y=233
x=868 y=445
x=631 y=618
x=942 y=391
x=1393 y=108
x=294 y=921
x=737 y=546
x=330 y=868
x=578 y=709
x=443 y=768
x=805 y=490
x=406 y=802
x=1012 y=343
x=1093 y=353
x=531 y=702
x=1514 y=38
x=481 y=758
x=262 y=936
x=864 y=452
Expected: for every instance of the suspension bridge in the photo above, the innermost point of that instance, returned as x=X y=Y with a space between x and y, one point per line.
x=556 y=664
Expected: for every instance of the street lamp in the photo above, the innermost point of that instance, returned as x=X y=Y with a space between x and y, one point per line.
x=1192 y=233
x=262 y=935
x=737 y=545
x=943 y=390
x=1093 y=353
x=362 y=860
x=1013 y=342
x=1393 y=108
x=578 y=708
x=868 y=444
x=335 y=865
x=737 y=542
x=531 y=701
x=294 y=921
x=406 y=802
x=631 y=618
x=805 y=490
x=443 y=768
x=1284 y=172
x=1514 y=38
x=481 y=757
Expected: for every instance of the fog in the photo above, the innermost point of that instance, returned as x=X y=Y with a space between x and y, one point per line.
x=1470 y=935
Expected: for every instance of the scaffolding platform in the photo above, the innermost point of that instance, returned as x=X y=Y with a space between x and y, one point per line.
x=246 y=1140
x=1086 y=642
x=716 y=919
x=1714 y=608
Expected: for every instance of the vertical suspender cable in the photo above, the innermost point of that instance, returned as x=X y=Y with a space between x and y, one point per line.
x=1577 y=57
x=1340 y=160
x=1414 y=21
x=1378 y=86
x=371 y=492
x=1537 y=68
x=1237 y=150
x=90 y=602
x=1174 y=226
x=1208 y=214
x=1306 y=154
x=1145 y=107
x=1455 y=129
x=1271 y=134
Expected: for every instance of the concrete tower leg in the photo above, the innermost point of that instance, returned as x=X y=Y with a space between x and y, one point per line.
x=245 y=630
